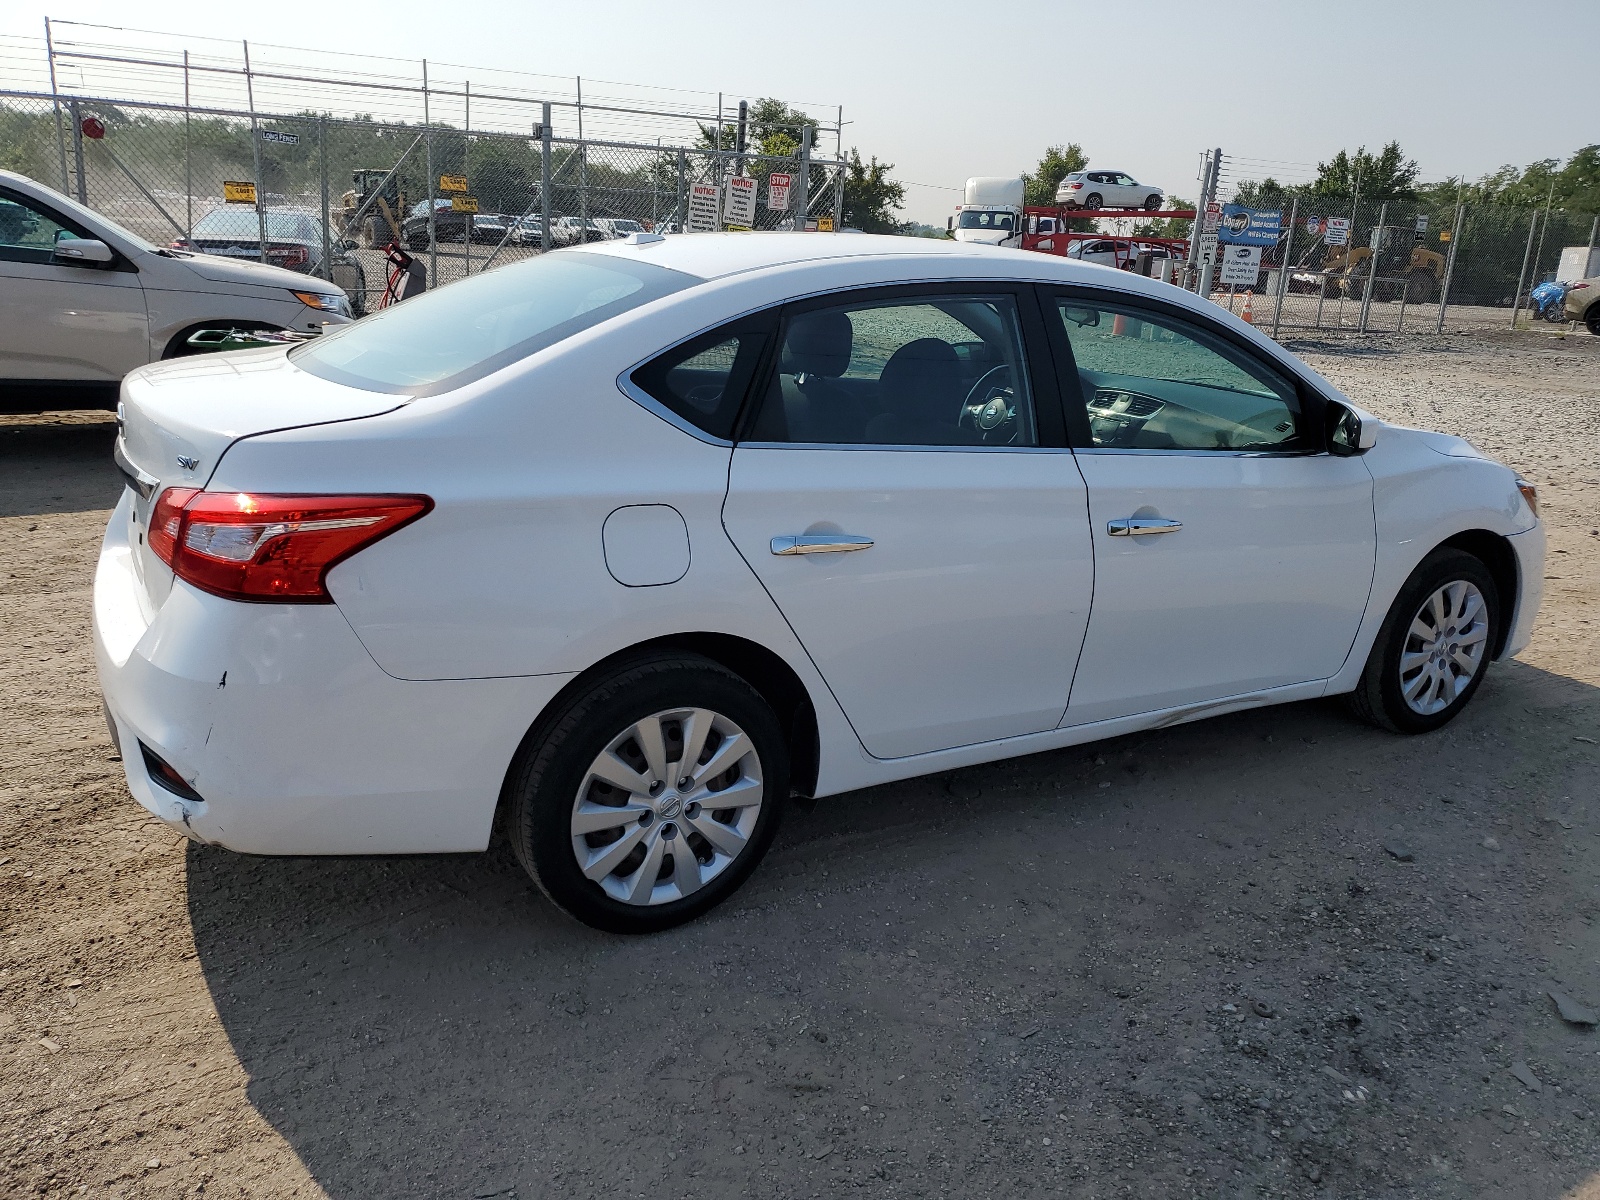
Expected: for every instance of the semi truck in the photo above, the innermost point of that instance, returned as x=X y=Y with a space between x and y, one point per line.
x=990 y=212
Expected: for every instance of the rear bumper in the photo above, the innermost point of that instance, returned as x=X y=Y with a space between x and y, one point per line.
x=294 y=738
x=1529 y=549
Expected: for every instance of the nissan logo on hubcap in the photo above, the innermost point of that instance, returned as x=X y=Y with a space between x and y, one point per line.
x=670 y=808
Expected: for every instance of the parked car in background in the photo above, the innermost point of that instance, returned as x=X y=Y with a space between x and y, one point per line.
x=448 y=225
x=491 y=228
x=294 y=241
x=1107 y=189
x=574 y=231
x=615 y=548
x=85 y=301
x=1580 y=303
x=619 y=227
x=1115 y=252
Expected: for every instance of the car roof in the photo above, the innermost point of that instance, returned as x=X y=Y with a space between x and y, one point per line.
x=715 y=255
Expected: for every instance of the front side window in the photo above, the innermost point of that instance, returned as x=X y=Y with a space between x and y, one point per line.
x=1156 y=382
x=927 y=370
x=444 y=339
x=975 y=219
x=28 y=233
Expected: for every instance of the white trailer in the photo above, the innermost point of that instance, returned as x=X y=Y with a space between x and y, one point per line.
x=990 y=212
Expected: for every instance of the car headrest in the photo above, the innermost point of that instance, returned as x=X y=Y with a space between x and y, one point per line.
x=922 y=379
x=818 y=344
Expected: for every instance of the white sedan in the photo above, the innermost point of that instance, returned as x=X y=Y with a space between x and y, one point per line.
x=617 y=548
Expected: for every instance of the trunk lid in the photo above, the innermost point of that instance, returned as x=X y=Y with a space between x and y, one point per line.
x=177 y=418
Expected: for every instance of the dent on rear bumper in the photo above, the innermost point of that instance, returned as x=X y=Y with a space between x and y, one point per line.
x=297 y=742
x=1529 y=547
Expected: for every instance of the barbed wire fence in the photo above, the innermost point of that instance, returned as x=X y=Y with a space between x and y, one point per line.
x=318 y=161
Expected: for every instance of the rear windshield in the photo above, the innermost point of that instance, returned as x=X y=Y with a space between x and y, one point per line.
x=445 y=339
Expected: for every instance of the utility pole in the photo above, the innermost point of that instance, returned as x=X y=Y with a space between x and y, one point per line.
x=1213 y=177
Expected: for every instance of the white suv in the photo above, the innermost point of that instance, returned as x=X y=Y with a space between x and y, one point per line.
x=87 y=301
x=1107 y=189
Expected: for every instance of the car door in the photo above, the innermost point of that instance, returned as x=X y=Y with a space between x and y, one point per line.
x=904 y=492
x=1232 y=553
x=1129 y=192
x=69 y=322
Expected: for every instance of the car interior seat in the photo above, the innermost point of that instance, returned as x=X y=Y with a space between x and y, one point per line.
x=814 y=408
x=921 y=391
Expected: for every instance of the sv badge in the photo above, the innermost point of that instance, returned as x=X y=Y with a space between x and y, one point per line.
x=188 y=463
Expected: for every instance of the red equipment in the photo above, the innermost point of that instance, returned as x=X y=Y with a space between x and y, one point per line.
x=1045 y=230
x=407 y=277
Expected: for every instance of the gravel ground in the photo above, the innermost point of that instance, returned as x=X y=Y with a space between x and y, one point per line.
x=1271 y=954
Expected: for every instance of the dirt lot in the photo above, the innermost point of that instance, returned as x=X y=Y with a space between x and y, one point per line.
x=1177 y=964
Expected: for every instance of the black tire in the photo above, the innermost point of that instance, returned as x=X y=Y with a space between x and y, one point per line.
x=1421 y=288
x=1591 y=319
x=544 y=781
x=1093 y=201
x=1152 y=204
x=1377 y=698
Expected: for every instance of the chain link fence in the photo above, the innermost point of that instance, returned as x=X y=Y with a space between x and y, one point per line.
x=325 y=196
x=1407 y=265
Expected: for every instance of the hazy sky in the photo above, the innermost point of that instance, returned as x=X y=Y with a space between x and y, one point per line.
x=947 y=90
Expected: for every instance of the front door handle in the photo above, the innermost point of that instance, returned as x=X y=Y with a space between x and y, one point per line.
x=1142 y=526
x=819 y=543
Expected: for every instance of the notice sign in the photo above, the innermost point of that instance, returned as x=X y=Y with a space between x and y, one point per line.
x=1243 y=226
x=703 y=207
x=452 y=183
x=238 y=193
x=1241 y=265
x=464 y=204
x=778 y=185
x=1338 y=231
x=283 y=139
x=739 y=207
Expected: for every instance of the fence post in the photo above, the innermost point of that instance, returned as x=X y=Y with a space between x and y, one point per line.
x=1516 y=305
x=469 y=221
x=804 y=208
x=1449 y=267
x=544 y=180
x=838 y=194
x=188 y=160
x=683 y=191
x=1372 y=265
x=433 y=183
x=255 y=157
x=55 y=94
x=327 y=232
x=1283 y=267
x=77 y=153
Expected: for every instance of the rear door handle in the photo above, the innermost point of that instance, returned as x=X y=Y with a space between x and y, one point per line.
x=819 y=543
x=1142 y=526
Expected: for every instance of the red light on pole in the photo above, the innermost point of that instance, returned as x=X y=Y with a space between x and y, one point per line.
x=93 y=128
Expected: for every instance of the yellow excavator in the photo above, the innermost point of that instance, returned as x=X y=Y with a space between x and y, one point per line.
x=381 y=222
x=1403 y=264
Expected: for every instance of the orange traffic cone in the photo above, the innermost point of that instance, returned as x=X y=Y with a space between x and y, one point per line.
x=1247 y=316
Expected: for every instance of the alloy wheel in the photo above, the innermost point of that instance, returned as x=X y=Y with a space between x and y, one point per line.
x=667 y=806
x=1446 y=644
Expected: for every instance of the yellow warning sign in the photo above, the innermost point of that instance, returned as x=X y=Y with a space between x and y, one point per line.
x=824 y=224
x=1444 y=235
x=464 y=204
x=238 y=193
x=452 y=183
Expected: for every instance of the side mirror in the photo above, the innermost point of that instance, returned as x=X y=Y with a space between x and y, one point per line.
x=84 y=251
x=1350 y=431
x=949 y=224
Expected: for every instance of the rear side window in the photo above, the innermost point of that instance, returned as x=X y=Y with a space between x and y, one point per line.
x=704 y=381
x=445 y=339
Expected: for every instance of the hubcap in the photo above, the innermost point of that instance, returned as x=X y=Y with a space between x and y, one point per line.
x=667 y=806
x=1444 y=648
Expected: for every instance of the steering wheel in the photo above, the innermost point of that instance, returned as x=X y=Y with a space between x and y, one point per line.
x=989 y=408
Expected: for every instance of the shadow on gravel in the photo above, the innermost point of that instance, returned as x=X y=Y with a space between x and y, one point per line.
x=57 y=467
x=1179 y=962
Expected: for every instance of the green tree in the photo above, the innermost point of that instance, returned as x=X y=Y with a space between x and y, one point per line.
x=871 y=197
x=1058 y=162
x=1387 y=175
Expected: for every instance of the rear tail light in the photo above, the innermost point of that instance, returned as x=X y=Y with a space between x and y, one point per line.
x=244 y=546
x=1072 y=187
x=1576 y=287
x=289 y=256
